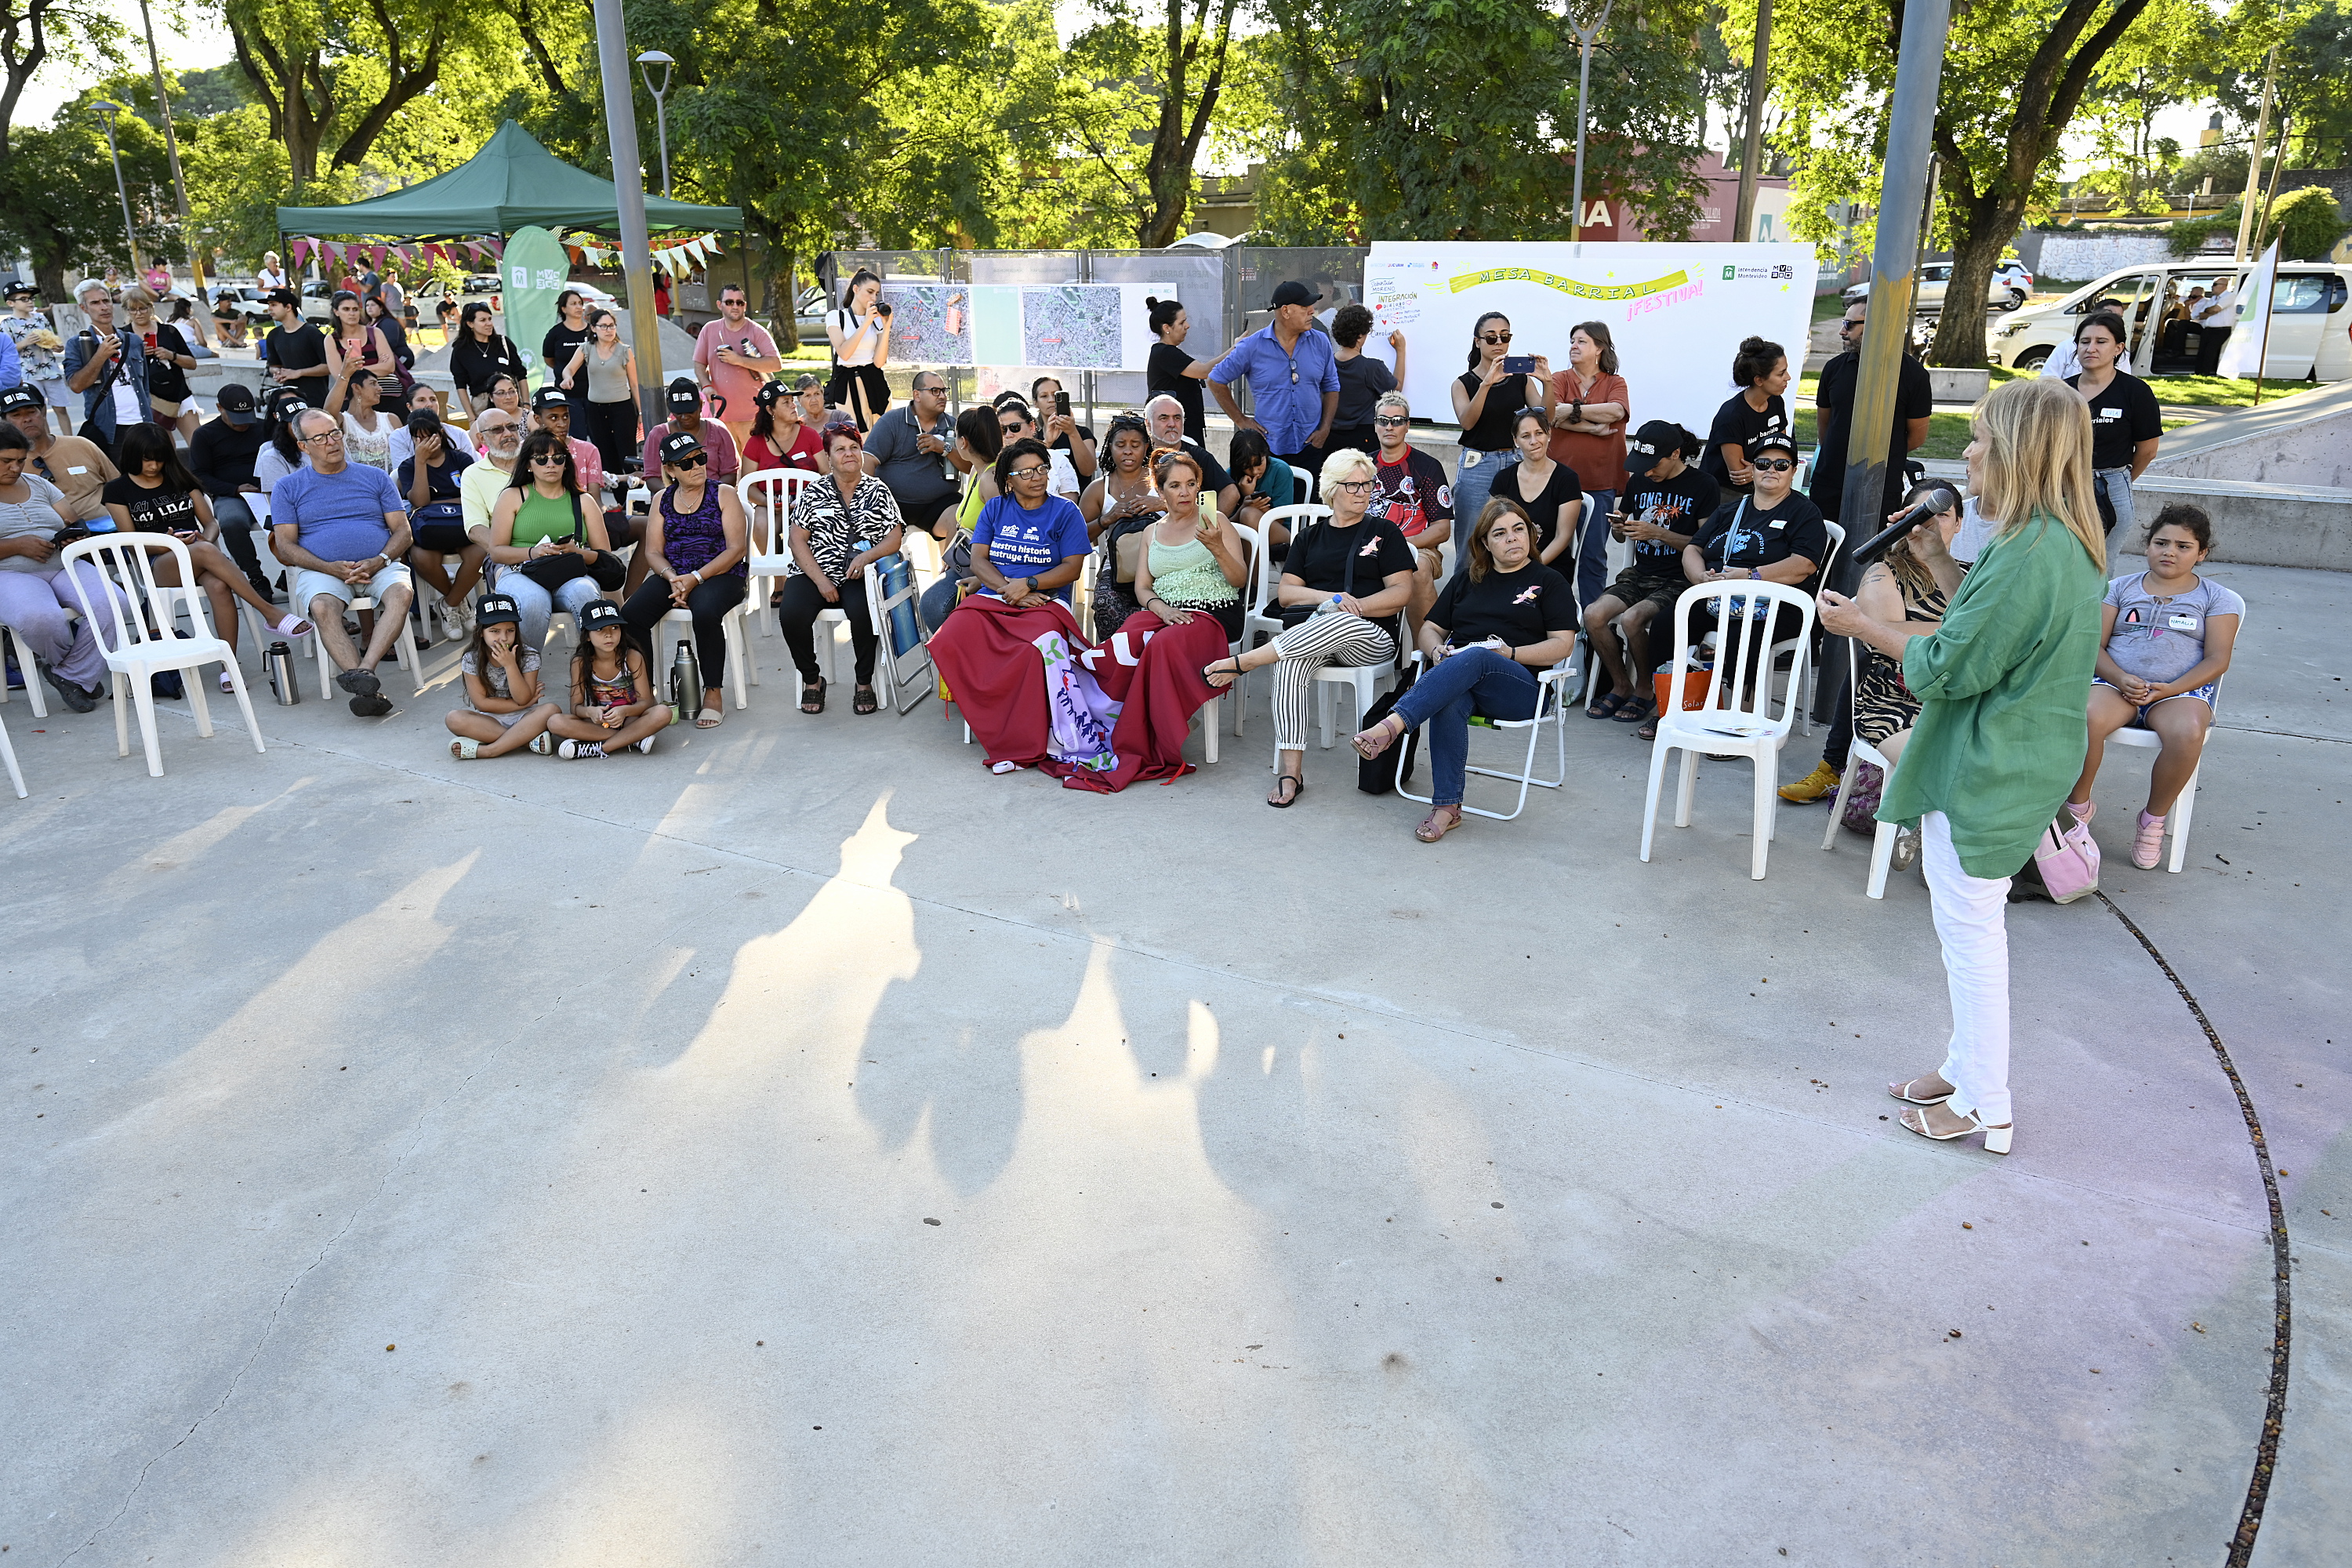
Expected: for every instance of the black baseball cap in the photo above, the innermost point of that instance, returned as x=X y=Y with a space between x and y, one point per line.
x=1654 y=440
x=600 y=613
x=684 y=395
x=772 y=393
x=236 y=403
x=1294 y=293
x=498 y=610
x=680 y=445
x=24 y=290
x=284 y=297
x=23 y=395
x=1759 y=445
x=549 y=397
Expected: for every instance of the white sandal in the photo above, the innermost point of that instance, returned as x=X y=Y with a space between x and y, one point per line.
x=464 y=750
x=1897 y=1091
x=1996 y=1139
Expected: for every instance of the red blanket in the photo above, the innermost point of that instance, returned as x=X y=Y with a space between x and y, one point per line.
x=988 y=655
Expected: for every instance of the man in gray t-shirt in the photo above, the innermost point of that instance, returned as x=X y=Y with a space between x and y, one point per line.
x=906 y=449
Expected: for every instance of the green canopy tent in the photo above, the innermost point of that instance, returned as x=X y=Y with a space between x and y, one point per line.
x=512 y=183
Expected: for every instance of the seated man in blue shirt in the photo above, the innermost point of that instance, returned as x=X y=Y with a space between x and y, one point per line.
x=341 y=529
x=1294 y=377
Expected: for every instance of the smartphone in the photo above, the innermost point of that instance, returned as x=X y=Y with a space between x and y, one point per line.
x=1062 y=404
x=1519 y=364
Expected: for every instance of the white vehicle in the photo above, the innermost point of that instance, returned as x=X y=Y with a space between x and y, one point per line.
x=1935 y=277
x=2310 y=331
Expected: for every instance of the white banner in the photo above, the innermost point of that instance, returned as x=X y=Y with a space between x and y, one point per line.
x=1677 y=313
x=2242 y=354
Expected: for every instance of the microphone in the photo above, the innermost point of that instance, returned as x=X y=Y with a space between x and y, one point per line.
x=1943 y=498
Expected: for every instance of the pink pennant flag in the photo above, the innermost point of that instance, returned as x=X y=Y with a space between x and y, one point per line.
x=497 y=248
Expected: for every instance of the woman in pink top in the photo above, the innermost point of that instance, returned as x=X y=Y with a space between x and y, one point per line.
x=1590 y=408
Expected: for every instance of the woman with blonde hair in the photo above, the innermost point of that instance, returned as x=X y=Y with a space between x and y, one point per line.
x=2001 y=729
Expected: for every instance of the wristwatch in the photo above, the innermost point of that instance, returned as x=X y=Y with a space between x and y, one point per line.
x=1754 y=575
x=1028 y=586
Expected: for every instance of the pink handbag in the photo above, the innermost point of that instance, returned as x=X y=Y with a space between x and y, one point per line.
x=2067 y=860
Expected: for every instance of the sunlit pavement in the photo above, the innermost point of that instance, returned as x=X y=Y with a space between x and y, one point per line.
x=802 y=1146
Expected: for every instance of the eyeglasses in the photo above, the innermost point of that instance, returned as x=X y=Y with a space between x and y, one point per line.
x=1493 y=337
x=323 y=436
x=550 y=458
x=504 y=427
x=699 y=460
x=1390 y=423
x=1772 y=464
x=1357 y=485
x=1028 y=473
x=939 y=388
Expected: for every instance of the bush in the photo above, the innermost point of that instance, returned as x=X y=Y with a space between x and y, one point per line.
x=2306 y=222
x=2188 y=237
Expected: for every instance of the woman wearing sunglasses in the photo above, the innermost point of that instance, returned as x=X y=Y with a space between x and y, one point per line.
x=540 y=515
x=695 y=541
x=1487 y=398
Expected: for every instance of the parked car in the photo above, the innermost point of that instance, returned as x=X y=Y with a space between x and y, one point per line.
x=1935 y=277
x=2310 y=328
x=2014 y=273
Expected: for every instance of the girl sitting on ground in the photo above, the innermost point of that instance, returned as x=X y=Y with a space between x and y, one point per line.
x=2166 y=644
x=612 y=705
x=503 y=712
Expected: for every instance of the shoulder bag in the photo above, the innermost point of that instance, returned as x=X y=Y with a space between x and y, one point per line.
x=552 y=571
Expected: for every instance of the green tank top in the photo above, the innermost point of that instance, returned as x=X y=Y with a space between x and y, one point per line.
x=1187 y=575
x=968 y=514
x=541 y=517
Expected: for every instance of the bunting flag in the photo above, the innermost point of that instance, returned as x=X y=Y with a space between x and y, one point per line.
x=299 y=249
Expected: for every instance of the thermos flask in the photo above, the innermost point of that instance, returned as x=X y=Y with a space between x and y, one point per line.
x=685 y=683
x=279 y=664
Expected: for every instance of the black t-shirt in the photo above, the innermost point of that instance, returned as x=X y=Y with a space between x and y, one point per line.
x=1214 y=477
x=1361 y=382
x=1915 y=398
x=2122 y=416
x=296 y=348
x=1492 y=430
x=1557 y=491
x=165 y=380
x=1680 y=505
x=475 y=365
x=159 y=511
x=1742 y=535
x=1163 y=372
x=1411 y=494
x=556 y=349
x=1735 y=425
x=1319 y=558
x=1061 y=443
x=1521 y=608
x=221 y=455
x=441 y=482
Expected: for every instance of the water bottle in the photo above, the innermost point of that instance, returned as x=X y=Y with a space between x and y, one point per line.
x=685 y=683
x=278 y=662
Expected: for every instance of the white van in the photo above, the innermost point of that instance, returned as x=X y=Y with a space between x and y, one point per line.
x=2310 y=331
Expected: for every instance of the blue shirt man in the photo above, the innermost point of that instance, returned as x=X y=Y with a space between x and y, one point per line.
x=107 y=366
x=1294 y=378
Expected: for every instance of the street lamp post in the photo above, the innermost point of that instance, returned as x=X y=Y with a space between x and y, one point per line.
x=130 y=231
x=647 y=60
x=1585 y=37
x=629 y=197
x=172 y=146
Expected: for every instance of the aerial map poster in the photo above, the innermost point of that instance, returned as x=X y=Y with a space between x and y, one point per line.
x=930 y=323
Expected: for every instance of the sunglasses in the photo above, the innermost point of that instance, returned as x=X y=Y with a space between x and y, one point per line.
x=1390 y=423
x=1773 y=465
x=550 y=460
x=1493 y=337
x=696 y=460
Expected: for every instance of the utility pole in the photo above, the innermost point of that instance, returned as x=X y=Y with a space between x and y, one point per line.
x=1902 y=208
x=1585 y=37
x=172 y=147
x=2254 y=158
x=114 y=151
x=629 y=195
x=1751 y=151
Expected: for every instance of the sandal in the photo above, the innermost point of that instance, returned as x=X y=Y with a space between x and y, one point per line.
x=1371 y=742
x=226 y=685
x=1444 y=820
x=1298 y=786
x=1902 y=1091
x=464 y=750
x=1997 y=1139
x=1210 y=674
x=862 y=700
x=1648 y=730
x=812 y=696
x=710 y=717
x=291 y=626
x=1636 y=710
x=1606 y=705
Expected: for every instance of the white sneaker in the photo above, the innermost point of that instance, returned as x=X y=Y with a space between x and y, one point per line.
x=452 y=623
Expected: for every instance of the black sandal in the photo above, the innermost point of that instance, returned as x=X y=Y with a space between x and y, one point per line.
x=1606 y=705
x=812 y=696
x=862 y=700
x=1299 y=787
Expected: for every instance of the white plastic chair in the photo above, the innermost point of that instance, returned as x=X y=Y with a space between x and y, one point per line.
x=133 y=655
x=26 y=668
x=8 y=755
x=1551 y=708
x=404 y=647
x=1882 y=842
x=1804 y=699
x=768 y=497
x=1737 y=717
x=738 y=650
x=2184 y=808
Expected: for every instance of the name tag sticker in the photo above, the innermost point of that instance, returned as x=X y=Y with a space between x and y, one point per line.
x=77 y=471
x=2111 y=413
x=1780 y=522
x=2182 y=623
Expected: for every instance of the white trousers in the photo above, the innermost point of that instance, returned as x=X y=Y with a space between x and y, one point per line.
x=1971 y=921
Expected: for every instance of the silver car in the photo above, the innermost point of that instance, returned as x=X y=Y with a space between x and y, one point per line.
x=1927 y=298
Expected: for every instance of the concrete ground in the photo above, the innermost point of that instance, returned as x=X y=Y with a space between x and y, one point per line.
x=803 y=1146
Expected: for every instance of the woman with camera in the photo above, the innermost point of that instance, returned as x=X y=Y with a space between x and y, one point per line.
x=860 y=331
x=2001 y=729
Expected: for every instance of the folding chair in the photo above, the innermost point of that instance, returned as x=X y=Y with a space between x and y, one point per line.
x=1551 y=706
x=1737 y=717
x=1259 y=612
x=1882 y=843
x=134 y=654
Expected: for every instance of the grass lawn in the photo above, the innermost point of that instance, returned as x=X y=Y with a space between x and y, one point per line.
x=2180 y=391
x=1947 y=434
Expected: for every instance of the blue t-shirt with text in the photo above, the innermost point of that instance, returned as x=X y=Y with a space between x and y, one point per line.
x=1031 y=544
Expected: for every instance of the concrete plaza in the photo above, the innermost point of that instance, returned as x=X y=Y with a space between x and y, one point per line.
x=803 y=1146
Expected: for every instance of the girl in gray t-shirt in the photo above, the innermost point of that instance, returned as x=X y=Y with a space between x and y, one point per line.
x=2166 y=643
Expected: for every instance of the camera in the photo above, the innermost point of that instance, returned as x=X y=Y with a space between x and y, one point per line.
x=882 y=307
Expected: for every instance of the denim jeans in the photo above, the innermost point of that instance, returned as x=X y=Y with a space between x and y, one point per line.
x=537 y=604
x=1473 y=483
x=1477 y=680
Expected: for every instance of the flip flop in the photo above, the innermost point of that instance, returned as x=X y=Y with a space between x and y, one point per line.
x=710 y=718
x=1293 y=800
x=1636 y=710
x=812 y=696
x=1237 y=672
x=862 y=700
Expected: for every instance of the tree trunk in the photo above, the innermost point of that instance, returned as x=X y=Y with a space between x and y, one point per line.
x=1175 y=143
x=49 y=276
x=781 y=261
x=1986 y=226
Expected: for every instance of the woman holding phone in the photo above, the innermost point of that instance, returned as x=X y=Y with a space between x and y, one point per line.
x=1761 y=369
x=1487 y=398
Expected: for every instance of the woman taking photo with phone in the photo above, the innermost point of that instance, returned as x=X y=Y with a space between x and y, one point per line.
x=2001 y=729
x=860 y=331
x=1487 y=397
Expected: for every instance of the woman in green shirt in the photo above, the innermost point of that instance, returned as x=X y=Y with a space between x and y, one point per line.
x=2001 y=734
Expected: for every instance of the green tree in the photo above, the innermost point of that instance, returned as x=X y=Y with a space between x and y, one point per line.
x=2015 y=75
x=79 y=33
x=1457 y=119
x=333 y=78
x=63 y=208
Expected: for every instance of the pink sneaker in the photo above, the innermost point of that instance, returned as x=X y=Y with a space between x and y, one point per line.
x=2084 y=812
x=2148 y=843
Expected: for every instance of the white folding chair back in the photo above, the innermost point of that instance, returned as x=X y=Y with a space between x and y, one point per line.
x=768 y=497
x=1259 y=611
x=26 y=668
x=1804 y=699
x=132 y=653
x=1551 y=706
x=1739 y=716
x=2185 y=807
x=8 y=755
x=1882 y=841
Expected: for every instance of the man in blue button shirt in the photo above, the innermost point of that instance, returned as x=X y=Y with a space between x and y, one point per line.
x=1294 y=378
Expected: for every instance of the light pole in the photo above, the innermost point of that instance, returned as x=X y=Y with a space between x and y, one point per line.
x=647 y=60
x=172 y=146
x=130 y=232
x=629 y=196
x=1585 y=37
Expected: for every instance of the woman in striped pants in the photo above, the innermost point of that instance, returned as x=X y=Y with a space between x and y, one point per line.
x=1343 y=584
